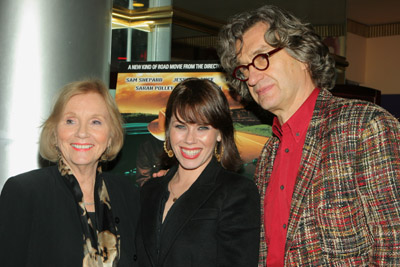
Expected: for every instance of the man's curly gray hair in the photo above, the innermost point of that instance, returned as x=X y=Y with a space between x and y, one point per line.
x=285 y=30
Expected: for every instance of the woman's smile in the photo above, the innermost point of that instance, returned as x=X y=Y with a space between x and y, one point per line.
x=190 y=153
x=82 y=147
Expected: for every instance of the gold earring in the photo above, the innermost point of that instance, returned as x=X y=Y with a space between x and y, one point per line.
x=218 y=156
x=170 y=153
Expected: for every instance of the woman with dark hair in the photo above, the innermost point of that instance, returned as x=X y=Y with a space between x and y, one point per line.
x=201 y=213
x=72 y=213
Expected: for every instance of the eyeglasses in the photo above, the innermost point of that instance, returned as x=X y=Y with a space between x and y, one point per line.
x=260 y=62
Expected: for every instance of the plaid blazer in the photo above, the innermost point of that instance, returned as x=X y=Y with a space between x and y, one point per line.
x=345 y=207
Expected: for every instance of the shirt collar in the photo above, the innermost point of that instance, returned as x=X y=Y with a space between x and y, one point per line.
x=297 y=124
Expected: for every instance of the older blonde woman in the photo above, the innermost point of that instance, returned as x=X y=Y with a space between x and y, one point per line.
x=72 y=214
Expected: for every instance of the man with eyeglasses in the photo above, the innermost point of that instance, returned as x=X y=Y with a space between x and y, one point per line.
x=329 y=177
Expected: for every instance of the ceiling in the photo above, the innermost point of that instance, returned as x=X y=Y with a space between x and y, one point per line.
x=372 y=12
x=369 y=12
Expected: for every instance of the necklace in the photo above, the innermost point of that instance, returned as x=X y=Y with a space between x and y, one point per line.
x=174 y=198
x=88 y=203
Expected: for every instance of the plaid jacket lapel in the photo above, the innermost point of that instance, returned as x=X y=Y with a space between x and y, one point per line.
x=309 y=165
x=262 y=176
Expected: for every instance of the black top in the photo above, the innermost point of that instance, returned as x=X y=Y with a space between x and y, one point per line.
x=216 y=222
x=160 y=224
x=40 y=226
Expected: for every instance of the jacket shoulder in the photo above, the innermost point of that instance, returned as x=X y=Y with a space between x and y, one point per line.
x=34 y=179
x=29 y=187
x=235 y=181
x=343 y=108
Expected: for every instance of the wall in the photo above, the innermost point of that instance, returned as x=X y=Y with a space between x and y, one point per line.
x=356 y=50
x=382 y=64
x=374 y=62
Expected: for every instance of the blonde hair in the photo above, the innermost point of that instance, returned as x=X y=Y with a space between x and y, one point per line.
x=48 y=141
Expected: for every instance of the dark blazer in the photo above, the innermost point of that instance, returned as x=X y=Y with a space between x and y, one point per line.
x=215 y=223
x=40 y=225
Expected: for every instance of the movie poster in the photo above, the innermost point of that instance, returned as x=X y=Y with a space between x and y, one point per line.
x=142 y=93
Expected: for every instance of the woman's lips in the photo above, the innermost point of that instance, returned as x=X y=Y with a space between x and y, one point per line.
x=191 y=153
x=82 y=147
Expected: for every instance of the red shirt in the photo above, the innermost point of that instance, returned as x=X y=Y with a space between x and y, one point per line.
x=292 y=135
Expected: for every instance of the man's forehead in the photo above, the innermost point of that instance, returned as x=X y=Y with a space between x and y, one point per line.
x=253 y=39
x=246 y=54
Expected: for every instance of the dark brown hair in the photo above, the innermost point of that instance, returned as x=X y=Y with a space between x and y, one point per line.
x=202 y=101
